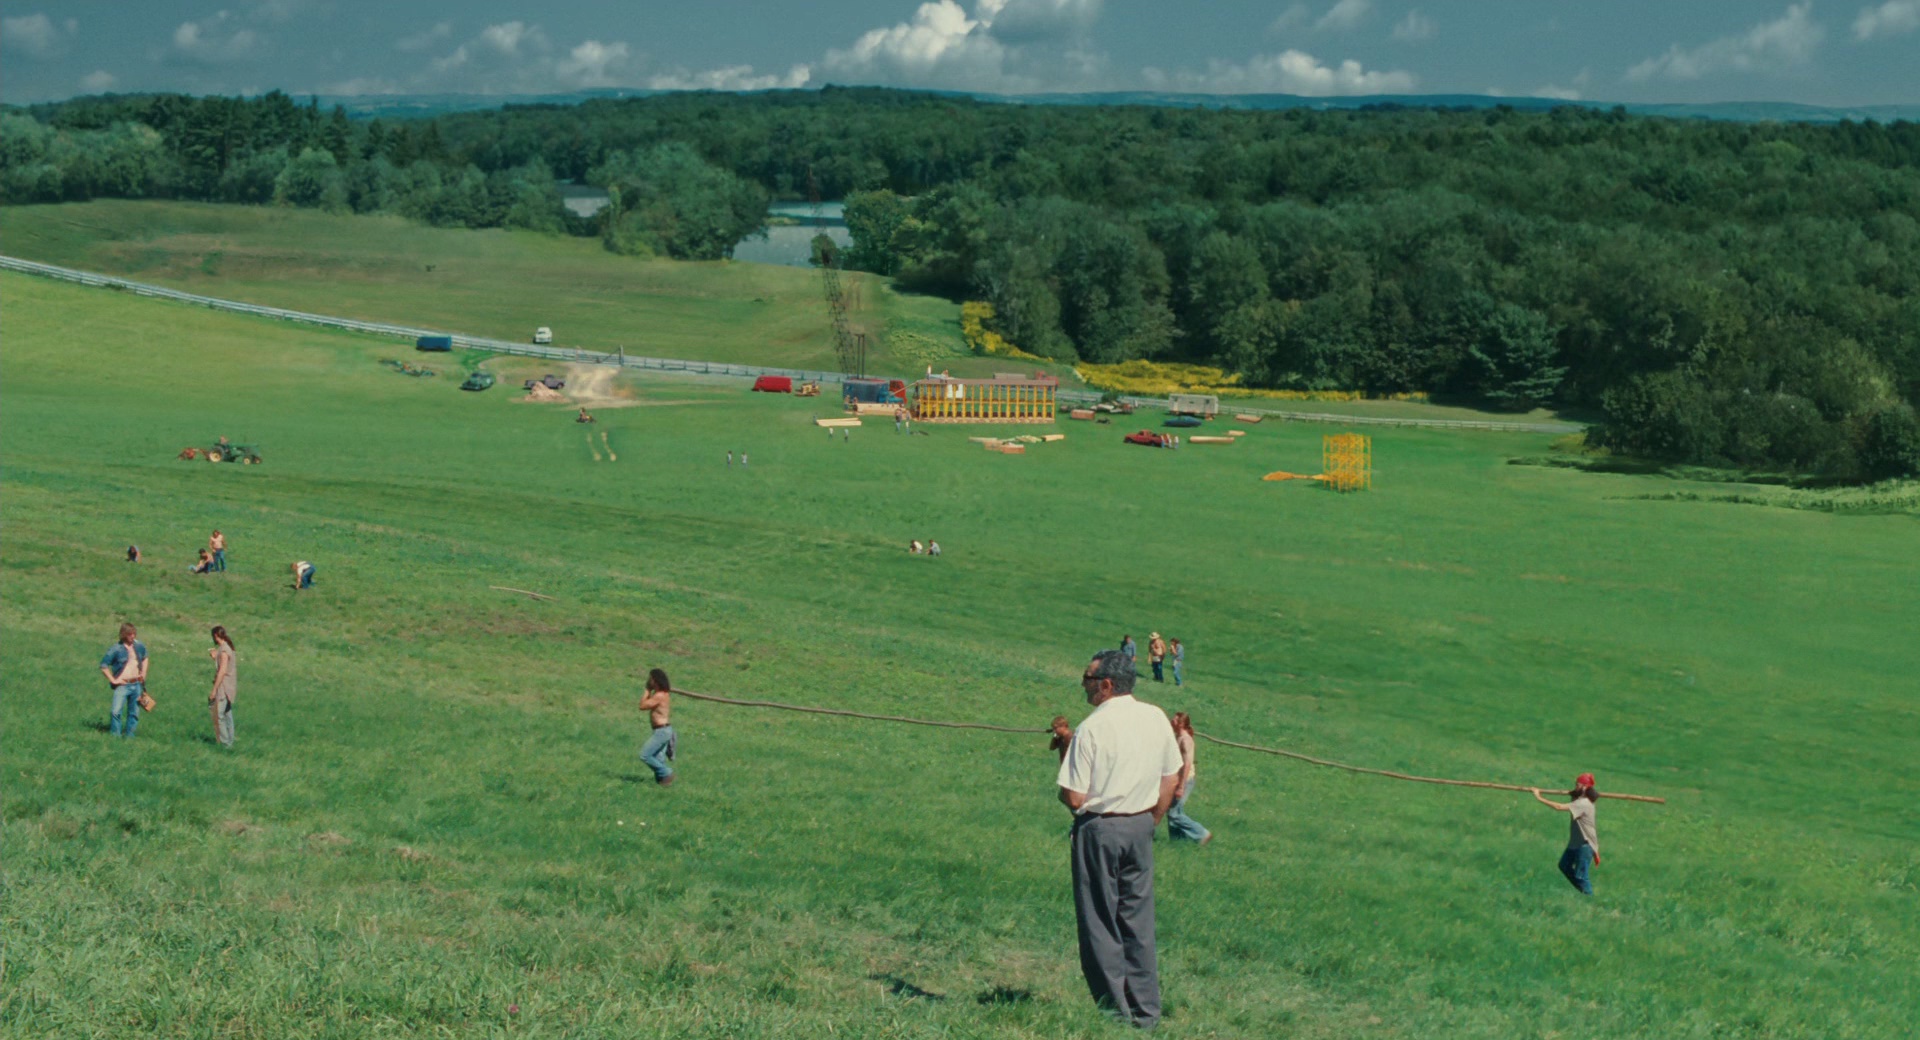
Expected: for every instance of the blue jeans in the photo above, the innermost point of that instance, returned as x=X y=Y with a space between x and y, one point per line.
x=1176 y=671
x=1158 y=676
x=126 y=709
x=1179 y=824
x=306 y=578
x=219 y=559
x=657 y=751
x=1575 y=863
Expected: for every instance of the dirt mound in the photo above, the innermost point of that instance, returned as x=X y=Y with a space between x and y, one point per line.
x=539 y=392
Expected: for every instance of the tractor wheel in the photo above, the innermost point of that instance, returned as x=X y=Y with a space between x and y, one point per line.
x=213 y=456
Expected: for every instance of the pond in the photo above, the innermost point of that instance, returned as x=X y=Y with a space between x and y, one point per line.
x=790 y=242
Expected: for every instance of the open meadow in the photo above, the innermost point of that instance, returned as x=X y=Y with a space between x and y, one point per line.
x=434 y=822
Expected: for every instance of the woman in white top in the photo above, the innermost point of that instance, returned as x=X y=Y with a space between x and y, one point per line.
x=1583 y=841
x=1179 y=824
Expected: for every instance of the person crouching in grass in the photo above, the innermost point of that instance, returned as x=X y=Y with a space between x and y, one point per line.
x=659 y=749
x=1583 y=841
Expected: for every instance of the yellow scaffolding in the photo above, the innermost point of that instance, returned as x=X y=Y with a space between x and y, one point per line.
x=1005 y=399
x=1347 y=461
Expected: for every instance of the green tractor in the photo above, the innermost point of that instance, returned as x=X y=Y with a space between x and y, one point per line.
x=478 y=381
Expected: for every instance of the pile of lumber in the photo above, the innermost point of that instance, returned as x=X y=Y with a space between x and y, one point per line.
x=836 y=422
x=1246 y=418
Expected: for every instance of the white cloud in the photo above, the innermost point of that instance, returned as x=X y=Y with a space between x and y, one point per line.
x=1573 y=91
x=215 y=41
x=36 y=34
x=1289 y=72
x=361 y=86
x=1290 y=19
x=98 y=81
x=425 y=38
x=732 y=77
x=1786 y=41
x=1415 y=27
x=1889 y=19
x=1003 y=45
x=1344 y=14
x=593 y=64
x=507 y=37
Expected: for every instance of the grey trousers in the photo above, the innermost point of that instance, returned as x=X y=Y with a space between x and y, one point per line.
x=1113 y=900
x=222 y=720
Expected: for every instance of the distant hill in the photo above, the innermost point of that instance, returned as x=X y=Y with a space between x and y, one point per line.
x=389 y=106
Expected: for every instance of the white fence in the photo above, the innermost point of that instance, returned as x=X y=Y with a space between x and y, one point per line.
x=716 y=368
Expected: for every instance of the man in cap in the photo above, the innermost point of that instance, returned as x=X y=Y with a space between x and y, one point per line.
x=1119 y=776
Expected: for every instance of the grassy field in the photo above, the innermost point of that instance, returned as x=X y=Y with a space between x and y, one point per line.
x=504 y=284
x=435 y=825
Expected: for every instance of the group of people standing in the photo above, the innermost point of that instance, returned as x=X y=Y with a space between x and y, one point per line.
x=1128 y=767
x=1160 y=653
x=125 y=666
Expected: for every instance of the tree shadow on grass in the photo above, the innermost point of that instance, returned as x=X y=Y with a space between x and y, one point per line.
x=1003 y=995
x=900 y=987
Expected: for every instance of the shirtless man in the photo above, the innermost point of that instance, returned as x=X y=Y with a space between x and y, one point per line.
x=217 y=544
x=657 y=703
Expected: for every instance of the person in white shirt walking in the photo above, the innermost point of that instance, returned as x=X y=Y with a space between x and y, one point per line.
x=1119 y=776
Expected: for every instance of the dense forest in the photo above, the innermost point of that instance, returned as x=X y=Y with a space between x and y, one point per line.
x=1730 y=293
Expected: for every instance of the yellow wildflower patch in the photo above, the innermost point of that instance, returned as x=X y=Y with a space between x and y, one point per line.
x=1153 y=378
x=974 y=315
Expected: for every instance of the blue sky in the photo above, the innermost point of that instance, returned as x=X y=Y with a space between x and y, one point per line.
x=1813 y=51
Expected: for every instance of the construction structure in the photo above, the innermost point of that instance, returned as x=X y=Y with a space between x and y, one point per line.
x=1346 y=461
x=1003 y=399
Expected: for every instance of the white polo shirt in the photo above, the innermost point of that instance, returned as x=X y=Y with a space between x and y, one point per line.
x=1118 y=756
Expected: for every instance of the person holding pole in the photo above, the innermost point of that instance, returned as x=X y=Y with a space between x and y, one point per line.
x=1119 y=777
x=659 y=749
x=1179 y=824
x=1583 y=841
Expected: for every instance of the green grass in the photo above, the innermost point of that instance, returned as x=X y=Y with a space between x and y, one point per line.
x=435 y=812
x=495 y=283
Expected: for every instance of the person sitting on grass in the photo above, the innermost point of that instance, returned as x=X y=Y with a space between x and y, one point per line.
x=133 y=554
x=915 y=548
x=203 y=565
x=1583 y=841
x=659 y=749
x=933 y=547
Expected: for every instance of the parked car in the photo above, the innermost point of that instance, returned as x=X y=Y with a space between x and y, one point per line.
x=543 y=335
x=478 y=381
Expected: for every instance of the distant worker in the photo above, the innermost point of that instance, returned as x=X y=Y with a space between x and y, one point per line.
x=1157 y=655
x=914 y=548
x=584 y=416
x=1119 y=778
x=225 y=683
x=203 y=564
x=133 y=554
x=1062 y=736
x=218 y=543
x=1126 y=647
x=846 y=435
x=659 y=749
x=1179 y=824
x=1179 y=658
x=1583 y=841
x=302 y=575
x=730 y=455
x=125 y=667
x=933 y=547
x=743 y=460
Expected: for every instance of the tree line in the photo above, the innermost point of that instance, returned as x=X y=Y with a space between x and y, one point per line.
x=1716 y=292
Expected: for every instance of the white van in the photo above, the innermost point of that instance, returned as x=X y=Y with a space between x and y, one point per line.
x=543 y=335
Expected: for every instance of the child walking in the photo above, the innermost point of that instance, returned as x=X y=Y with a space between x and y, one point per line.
x=1179 y=824
x=1583 y=841
x=659 y=749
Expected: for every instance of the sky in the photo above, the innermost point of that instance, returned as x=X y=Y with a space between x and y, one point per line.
x=1823 y=52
